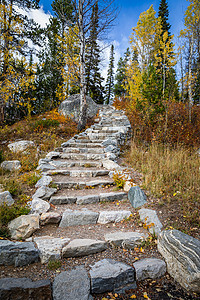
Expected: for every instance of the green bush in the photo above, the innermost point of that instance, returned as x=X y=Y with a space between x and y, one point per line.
x=9 y=213
x=13 y=186
x=1 y=156
x=45 y=123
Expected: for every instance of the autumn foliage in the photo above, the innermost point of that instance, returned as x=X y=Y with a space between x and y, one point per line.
x=179 y=129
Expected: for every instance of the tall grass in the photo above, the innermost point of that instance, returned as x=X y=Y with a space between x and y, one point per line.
x=173 y=174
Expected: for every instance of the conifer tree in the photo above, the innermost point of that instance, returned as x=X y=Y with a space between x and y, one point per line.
x=94 y=80
x=119 y=87
x=163 y=13
x=15 y=30
x=110 y=78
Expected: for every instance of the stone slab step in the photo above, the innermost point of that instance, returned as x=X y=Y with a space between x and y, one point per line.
x=76 y=156
x=79 y=172
x=96 y=150
x=69 y=163
x=83 y=247
x=84 y=217
x=89 y=199
x=82 y=183
x=83 y=145
x=126 y=240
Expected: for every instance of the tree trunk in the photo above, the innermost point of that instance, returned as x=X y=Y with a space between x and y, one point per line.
x=190 y=78
x=83 y=104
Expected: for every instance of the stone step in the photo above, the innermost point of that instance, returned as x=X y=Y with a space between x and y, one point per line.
x=81 y=183
x=83 y=156
x=84 y=217
x=89 y=145
x=101 y=136
x=58 y=164
x=96 y=150
x=88 y=141
x=89 y=199
x=79 y=173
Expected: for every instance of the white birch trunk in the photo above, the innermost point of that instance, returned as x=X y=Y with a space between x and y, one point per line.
x=190 y=78
x=83 y=104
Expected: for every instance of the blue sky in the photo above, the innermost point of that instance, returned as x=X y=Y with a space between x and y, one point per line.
x=129 y=11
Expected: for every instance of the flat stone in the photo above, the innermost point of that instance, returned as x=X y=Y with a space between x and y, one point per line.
x=23 y=226
x=44 y=192
x=44 y=181
x=149 y=268
x=20 y=146
x=53 y=154
x=25 y=288
x=128 y=185
x=50 y=248
x=45 y=167
x=57 y=200
x=136 y=197
x=113 y=216
x=182 y=255
x=82 y=247
x=149 y=217
x=88 y=199
x=111 y=156
x=72 y=285
x=108 y=275
x=11 y=165
x=5 y=197
x=110 y=165
x=78 y=217
x=113 y=196
x=50 y=218
x=125 y=239
x=109 y=142
x=110 y=148
x=17 y=253
x=39 y=206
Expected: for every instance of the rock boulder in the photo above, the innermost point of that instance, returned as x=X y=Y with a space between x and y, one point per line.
x=71 y=107
x=23 y=226
x=182 y=255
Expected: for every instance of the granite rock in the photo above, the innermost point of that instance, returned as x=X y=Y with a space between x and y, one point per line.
x=11 y=165
x=72 y=285
x=50 y=248
x=149 y=217
x=71 y=107
x=39 y=206
x=82 y=247
x=25 y=288
x=23 y=226
x=20 y=146
x=78 y=217
x=5 y=197
x=44 y=192
x=149 y=268
x=17 y=253
x=108 y=275
x=113 y=216
x=136 y=196
x=50 y=218
x=128 y=240
x=182 y=255
x=44 y=181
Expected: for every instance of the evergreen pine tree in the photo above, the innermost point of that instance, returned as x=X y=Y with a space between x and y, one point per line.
x=120 y=77
x=163 y=13
x=93 y=77
x=110 y=78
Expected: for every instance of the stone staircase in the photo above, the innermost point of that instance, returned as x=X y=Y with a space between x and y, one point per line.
x=77 y=214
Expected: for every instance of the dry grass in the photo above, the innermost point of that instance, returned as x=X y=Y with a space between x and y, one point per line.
x=171 y=174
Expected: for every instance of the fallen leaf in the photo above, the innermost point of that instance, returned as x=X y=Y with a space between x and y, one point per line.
x=133 y=297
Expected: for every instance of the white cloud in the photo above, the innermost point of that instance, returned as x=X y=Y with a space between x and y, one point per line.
x=38 y=15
